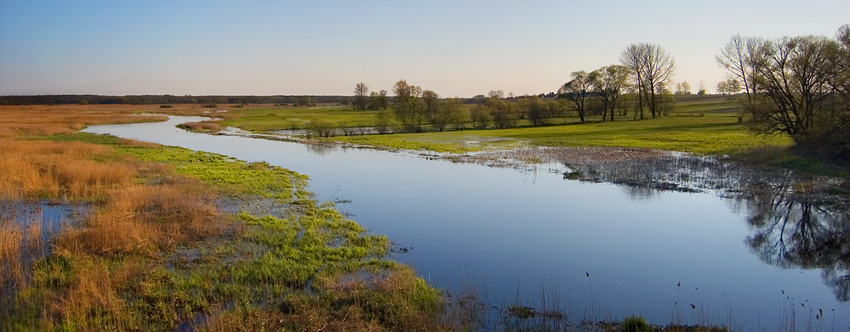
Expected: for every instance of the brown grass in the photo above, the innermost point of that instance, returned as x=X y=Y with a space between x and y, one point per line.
x=92 y=300
x=20 y=243
x=146 y=219
x=41 y=169
x=205 y=126
x=36 y=120
x=140 y=210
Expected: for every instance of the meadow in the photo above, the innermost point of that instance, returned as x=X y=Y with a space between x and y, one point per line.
x=180 y=239
x=708 y=125
x=160 y=251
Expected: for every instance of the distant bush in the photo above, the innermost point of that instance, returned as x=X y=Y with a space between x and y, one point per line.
x=205 y=126
x=165 y=106
x=635 y=324
x=209 y=106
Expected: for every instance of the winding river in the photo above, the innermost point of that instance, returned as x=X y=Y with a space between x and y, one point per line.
x=605 y=250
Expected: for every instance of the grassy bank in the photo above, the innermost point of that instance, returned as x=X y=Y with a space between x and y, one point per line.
x=707 y=125
x=158 y=251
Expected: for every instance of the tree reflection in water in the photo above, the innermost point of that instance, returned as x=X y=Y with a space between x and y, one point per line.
x=795 y=222
x=794 y=229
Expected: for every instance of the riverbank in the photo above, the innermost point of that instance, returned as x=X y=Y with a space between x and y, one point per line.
x=159 y=252
x=169 y=157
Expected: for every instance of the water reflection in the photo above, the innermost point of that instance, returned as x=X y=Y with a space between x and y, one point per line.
x=794 y=230
x=321 y=149
x=26 y=229
x=794 y=222
x=506 y=226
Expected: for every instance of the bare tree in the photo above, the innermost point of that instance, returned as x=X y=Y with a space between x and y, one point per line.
x=361 y=93
x=498 y=94
x=798 y=82
x=729 y=86
x=743 y=57
x=683 y=88
x=652 y=68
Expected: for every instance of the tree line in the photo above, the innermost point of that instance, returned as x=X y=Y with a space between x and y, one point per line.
x=168 y=99
x=640 y=85
x=799 y=86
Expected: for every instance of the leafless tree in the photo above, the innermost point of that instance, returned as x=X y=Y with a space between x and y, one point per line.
x=361 y=93
x=743 y=57
x=799 y=80
x=651 y=68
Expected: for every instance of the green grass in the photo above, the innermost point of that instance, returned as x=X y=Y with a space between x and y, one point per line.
x=306 y=263
x=707 y=125
x=226 y=173
x=260 y=120
x=703 y=135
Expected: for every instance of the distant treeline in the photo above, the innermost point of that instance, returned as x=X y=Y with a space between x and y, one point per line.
x=163 y=99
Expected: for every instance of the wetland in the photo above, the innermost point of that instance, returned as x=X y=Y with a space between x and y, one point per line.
x=597 y=233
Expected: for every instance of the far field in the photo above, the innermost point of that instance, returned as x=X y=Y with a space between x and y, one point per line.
x=707 y=125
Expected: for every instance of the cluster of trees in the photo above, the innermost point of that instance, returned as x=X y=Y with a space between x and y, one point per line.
x=799 y=86
x=413 y=109
x=363 y=99
x=166 y=99
x=640 y=83
x=644 y=73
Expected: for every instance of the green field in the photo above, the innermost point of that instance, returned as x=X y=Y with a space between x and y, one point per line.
x=706 y=125
x=260 y=120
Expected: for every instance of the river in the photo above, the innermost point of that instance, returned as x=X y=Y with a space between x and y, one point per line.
x=519 y=234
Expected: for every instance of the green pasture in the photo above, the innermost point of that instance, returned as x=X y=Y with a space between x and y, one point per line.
x=704 y=125
x=260 y=120
x=704 y=135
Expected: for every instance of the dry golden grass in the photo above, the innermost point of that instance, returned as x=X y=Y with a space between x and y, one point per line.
x=63 y=119
x=206 y=126
x=41 y=169
x=37 y=120
x=146 y=219
x=11 y=265
x=92 y=300
x=20 y=241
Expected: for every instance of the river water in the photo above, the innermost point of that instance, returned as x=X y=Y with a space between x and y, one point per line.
x=603 y=250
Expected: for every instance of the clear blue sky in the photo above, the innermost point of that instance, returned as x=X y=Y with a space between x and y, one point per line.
x=319 y=47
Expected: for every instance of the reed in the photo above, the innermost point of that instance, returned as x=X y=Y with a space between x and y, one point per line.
x=43 y=169
x=146 y=219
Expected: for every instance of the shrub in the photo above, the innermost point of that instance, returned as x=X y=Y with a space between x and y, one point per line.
x=635 y=324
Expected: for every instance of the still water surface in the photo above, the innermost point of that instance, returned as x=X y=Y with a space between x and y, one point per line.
x=512 y=232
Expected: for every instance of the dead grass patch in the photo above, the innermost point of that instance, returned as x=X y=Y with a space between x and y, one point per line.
x=145 y=219
x=20 y=244
x=204 y=126
x=42 y=169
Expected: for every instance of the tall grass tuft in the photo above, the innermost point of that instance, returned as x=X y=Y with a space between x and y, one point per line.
x=146 y=219
x=41 y=169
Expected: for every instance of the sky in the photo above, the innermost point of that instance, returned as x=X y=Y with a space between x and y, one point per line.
x=315 y=47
